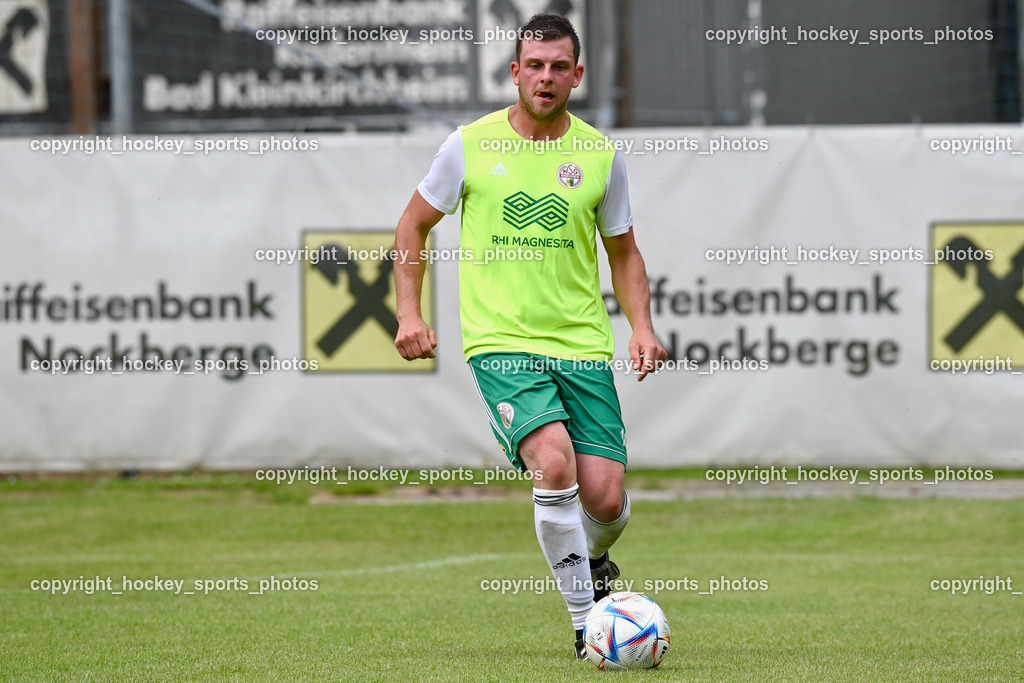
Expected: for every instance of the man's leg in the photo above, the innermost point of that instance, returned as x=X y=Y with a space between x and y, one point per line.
x=527 y=411
x=548 y=453
x=605 y=512
x=601 y=489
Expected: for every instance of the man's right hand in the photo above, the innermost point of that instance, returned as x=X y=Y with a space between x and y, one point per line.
x=415 y=339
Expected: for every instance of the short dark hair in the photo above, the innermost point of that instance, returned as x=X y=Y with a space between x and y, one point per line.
x=549 y=27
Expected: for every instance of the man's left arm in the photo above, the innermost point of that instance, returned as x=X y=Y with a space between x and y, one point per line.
x=629 y=280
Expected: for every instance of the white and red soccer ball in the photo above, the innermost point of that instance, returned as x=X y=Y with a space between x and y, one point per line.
x=626 y=631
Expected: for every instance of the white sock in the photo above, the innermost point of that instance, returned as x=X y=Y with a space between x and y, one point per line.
x=600 y=535
x=564 y=545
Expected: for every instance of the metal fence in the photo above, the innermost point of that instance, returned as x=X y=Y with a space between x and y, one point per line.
x=150 y=66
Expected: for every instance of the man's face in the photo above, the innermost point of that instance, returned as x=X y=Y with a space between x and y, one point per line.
x=546 y=74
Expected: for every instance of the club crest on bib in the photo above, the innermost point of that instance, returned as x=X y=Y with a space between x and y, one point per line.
x=570 y=175
x=507 y=414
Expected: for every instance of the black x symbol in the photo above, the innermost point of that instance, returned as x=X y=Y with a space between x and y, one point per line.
x=24 y=21
x=1000 y=293
x=369 y=299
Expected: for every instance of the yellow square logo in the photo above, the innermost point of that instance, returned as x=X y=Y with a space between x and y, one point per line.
x=348 y=310
x=977 y=302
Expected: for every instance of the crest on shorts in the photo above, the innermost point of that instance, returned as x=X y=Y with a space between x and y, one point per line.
x=507 y=413
x=570 y=175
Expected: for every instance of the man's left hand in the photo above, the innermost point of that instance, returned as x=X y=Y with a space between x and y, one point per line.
x=646 y=353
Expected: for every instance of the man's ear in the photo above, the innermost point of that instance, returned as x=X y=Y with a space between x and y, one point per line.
x=514 y=67
x=577 y=75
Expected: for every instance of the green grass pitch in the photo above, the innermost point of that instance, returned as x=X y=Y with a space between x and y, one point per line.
x=398 y=587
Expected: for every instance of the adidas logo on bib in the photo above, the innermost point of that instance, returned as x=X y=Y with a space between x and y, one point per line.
x=498 y=170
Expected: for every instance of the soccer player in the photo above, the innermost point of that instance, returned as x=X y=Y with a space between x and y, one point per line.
x=534 y=181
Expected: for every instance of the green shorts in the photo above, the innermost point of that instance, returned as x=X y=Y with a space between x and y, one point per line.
x=523 y=391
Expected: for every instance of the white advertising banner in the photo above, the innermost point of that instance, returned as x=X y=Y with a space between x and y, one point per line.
x=839 y=296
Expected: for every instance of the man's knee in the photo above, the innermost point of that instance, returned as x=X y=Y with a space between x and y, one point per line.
x=547 y=451
x=604 y=505
x=601 y=486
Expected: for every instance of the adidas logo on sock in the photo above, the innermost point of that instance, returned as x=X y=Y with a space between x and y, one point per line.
x=571 y=561
x=498 y=170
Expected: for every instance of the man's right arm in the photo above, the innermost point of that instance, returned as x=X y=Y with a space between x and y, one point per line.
x=415 y=338
x=438 y=193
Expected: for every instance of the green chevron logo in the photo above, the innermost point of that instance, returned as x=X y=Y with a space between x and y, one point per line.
x=549 y=212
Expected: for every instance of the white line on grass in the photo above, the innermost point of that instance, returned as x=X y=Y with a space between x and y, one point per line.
x=356 y=571
x=429 y=564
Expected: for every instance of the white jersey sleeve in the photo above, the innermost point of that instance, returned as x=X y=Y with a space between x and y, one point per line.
x=445 y=183
x=614 y=216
